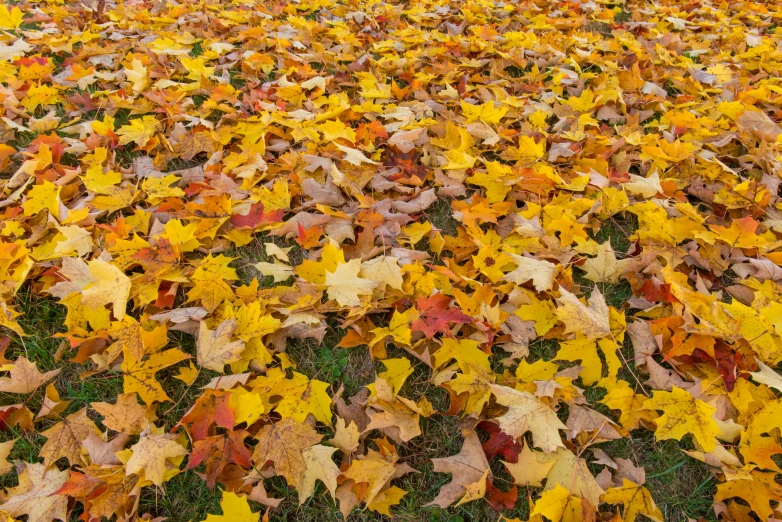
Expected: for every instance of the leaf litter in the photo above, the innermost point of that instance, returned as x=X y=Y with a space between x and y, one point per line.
x=429 y=178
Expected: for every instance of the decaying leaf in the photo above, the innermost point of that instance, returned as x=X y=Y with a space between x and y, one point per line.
x=126 y=415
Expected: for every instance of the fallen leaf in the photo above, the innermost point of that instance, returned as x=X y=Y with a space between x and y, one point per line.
x=36 y=495
x=636 y=500
x=527 y=413
x=235 y=509
x=684 y=414
x=151 y=456
x=344 y=285
x=215 y=347
x=467 y=467
x=126 y=415
x=591 y=321
x=64 y=439
x=25 y=377
x=318 y=466
x=605 y=268
x=283 y=444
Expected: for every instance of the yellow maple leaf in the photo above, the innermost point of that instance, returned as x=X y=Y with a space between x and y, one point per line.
x=398 y=328
x=475 y=490
x=318 y=466
x=635 y=499
x=137 y=75
x=152 y=455
x=109 y=285
x=209 y=284
x=558 y=505
x=41 y=95
x=759 y=489
x=215 y=348
x=531 y=467
x=45 y=196
x=139 y=130
x=383 y=270
x=344 y=285
x=527 y=413
x=528 y=152
x=139 y=376
x=684 y=414
x=591 y=321
x=386 y=499
x=10 y=19
x=487 y=112
x=605 y=268
x=235 y=508
x=571 y=472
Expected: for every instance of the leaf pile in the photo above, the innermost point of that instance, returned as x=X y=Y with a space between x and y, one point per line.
x=444 y=187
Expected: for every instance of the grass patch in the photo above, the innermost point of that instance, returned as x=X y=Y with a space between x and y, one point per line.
x=618 y=230
x=440 y=214
x=185 y=497
x=197 y=50
x=324 y=361
x=544 y=349
x=255 y=251
x=42 y=318
x=682 y=487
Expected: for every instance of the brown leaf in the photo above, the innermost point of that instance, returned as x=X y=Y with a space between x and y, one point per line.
x=25 y=377
x=126 y=415
x=282 y=444
x=757 y=123
x=103 y=452
x=64 y=439
x=215 y=348
x=36 y=496
x=466 y=467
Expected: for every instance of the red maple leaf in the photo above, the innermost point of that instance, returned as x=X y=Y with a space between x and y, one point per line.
x=210 y=408
x=501 y=500
x=436 y=316
x=499 y=443
x=654 y=292
x=726 y=361
x=218 y=452
x=79 y=485
x=257 y=217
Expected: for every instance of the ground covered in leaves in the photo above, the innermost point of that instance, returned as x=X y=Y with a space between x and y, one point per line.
x=430 y=260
